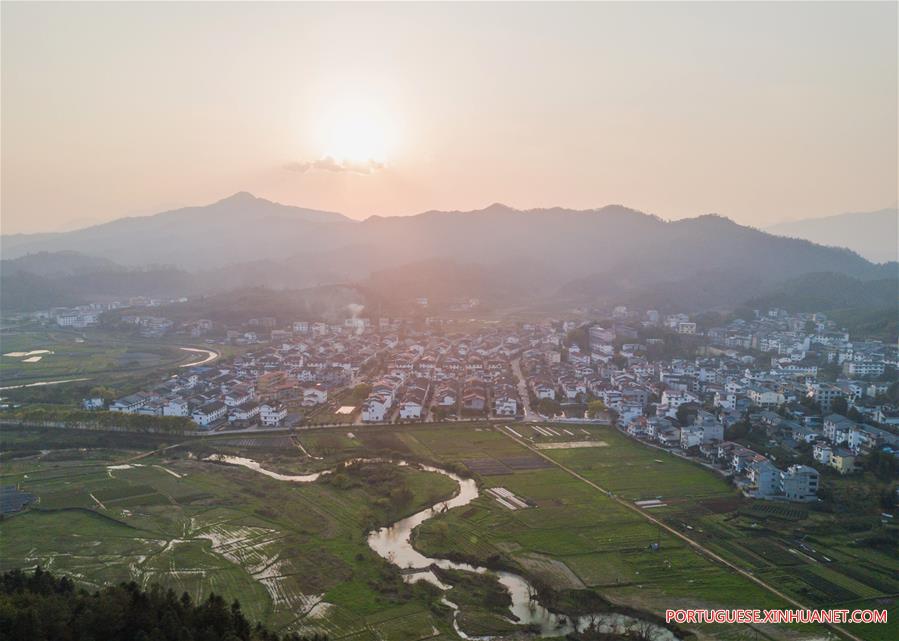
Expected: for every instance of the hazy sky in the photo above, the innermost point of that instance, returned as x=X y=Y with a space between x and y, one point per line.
x=761 y=112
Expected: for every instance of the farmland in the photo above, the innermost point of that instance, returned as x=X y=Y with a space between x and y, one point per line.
x=295 y=554
x=818 y=558
x=86 y=357
x=200 y=527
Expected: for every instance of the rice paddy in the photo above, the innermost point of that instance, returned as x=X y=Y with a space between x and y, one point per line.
x=295 y=554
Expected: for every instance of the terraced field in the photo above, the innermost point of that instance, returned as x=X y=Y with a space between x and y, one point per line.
x=296 y=556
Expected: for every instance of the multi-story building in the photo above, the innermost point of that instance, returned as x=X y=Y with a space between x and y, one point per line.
x=799 y=483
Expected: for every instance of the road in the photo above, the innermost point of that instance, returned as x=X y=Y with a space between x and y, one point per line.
x=40 y=383
x=694 y=544
x=529 y=414
x=211 y=355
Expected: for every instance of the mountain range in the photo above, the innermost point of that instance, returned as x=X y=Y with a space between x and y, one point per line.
x=873 y=234
x=500 y=254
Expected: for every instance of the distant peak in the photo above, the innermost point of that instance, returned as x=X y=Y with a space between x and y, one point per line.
x=239 y=197
x=498 y=207
x=709 y=218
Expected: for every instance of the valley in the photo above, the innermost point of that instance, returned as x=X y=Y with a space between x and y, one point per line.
x=296 y=556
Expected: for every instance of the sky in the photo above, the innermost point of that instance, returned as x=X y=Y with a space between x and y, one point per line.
x=762 y=112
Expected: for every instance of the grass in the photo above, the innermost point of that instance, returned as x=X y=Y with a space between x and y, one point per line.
x=274 y=544
x=123 y=362
x=82 y=353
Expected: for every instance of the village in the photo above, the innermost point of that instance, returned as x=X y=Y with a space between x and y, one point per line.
x=739 y=397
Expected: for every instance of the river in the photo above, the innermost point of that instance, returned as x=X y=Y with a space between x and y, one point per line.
x=394 y=543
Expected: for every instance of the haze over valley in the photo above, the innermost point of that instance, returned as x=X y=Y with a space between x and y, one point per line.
x=568 y=256
x=510 y=321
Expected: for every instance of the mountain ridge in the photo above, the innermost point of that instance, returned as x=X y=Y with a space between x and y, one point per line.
x=596 y=254
x=872 y=234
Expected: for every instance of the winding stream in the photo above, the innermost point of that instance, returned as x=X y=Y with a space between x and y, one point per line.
x=393 y=543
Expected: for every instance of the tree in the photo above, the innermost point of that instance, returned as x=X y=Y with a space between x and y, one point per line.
x=883 y=466
x=41 y=607
x=839 y=405
x=596 y=408
x=579 y=337
x=440 y=531
x=686 y=413
x=360 y=393
x=888 y=498
x=549 y=407
x=738 y=430
x=893 y=392
x=106 y=393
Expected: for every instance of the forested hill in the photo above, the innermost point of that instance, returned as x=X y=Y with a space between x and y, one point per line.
x=42 y=607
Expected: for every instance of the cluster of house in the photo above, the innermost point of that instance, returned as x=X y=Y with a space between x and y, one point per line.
x=258 y=386
x=647 y=394
x=208 y=397
x=753 y=472
x=611 y=364
x=462 y=375
x=843 y=440
x=415 y=372
x=302 y=366
x=149 y=326
x=83 y=316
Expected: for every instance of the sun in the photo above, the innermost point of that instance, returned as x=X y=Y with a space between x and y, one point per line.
x=358 y=134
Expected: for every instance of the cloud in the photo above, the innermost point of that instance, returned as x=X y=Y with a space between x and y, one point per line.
x=329 y=163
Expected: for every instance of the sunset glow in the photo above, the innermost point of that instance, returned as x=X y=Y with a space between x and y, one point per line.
x=509 y=321
x=357 y=133
x=391 y=110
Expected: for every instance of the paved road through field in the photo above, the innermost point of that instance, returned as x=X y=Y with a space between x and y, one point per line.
x=529 y=414
x=694 y=544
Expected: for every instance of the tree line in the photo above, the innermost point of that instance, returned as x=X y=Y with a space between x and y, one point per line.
x=100 y=420
x=39 y=606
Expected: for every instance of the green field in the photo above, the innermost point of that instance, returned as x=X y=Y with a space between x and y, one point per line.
x=200 y=527
x=821 y=559
x=281 y=548
x=105 y=358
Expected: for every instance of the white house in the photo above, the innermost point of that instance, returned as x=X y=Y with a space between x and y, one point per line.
x=374 y=409
x=410 y=409
x=766 y=478
x=210 y=413
x=272 y=414
x=686 y=328
x=505 y=406
x=95 y=403
x=445 y=396
x=244 y=412
x=129 y=404
x=822 y=452
x=764 y=397
x=176 y=407
x=629 y=411
x=799 y=483
x=726 y=401
x=672 y=399
x=238 y=396
x=690 y=436
x=314 y=395
x=543 y=390
x=824 y=394
x=837 y=428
